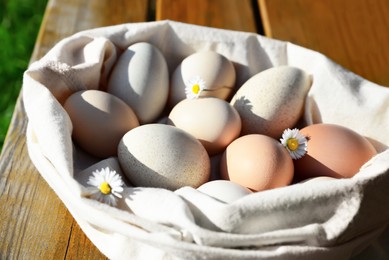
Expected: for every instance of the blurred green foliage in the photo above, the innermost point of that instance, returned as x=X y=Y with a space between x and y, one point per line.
x=19 y=25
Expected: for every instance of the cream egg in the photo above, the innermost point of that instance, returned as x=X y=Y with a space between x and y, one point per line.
x=204 y=69
x=99 y=121
x=213 y=121
x=333 y=151
x=141 y=78
x=272 y=100
x=257 y=162
x=223 y=190
x=164 y=156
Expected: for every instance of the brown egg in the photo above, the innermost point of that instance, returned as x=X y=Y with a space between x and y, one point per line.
x=257 y=162
x=333 y=151
x=99 y=121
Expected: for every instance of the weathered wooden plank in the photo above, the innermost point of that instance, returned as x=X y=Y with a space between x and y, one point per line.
x=354 y=33
x=34 y=223
x=226 y=14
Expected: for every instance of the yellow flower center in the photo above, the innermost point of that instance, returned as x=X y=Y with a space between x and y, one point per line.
x=196 y=88
x=293 y=144
x=105 y=188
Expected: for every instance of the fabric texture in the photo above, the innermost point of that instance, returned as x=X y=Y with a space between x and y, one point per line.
x=334 y=219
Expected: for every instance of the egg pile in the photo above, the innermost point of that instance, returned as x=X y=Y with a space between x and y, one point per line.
x=196 y=128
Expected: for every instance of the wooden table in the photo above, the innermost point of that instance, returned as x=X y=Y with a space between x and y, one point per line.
x=34 y=223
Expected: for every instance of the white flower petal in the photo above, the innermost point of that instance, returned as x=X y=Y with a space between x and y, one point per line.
x=302 y=140
x=114 y=181
x=190 y=94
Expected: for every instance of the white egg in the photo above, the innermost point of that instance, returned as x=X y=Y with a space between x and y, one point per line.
x=272 y=100
x=141 y=78
x=157 y=155
x=215 y=70
x=223 y=190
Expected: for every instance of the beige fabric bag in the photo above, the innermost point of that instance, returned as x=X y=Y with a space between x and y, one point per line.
x=335 y=219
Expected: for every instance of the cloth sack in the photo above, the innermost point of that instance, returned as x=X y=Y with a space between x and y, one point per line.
x=334 y=219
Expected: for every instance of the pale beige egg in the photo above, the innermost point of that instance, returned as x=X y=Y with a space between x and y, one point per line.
x=141 y=78
x=164 y=156
x=272 y=100
x=99 y=121
x=215 y=70
x=213 y=121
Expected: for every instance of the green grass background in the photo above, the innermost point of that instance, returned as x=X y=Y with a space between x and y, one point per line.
x=19 y=25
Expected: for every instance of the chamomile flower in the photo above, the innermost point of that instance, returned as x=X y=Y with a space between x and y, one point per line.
x=295 y=142
x=107 y=186
x=194 y=87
